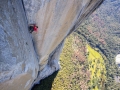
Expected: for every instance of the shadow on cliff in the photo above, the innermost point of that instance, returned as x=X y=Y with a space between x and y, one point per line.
x=46 y=84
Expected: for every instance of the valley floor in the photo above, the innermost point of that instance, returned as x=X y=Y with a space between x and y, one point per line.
x=79 y=70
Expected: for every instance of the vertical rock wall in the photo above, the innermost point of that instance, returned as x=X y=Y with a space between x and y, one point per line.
x=56 y=19
x=18 y=62
x=20 y=67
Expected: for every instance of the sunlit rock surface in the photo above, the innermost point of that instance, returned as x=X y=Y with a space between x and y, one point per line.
x=21 y=63
x=55 y=19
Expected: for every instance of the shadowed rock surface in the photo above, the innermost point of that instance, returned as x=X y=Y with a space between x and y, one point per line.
x=56 y=19
x=18 y=62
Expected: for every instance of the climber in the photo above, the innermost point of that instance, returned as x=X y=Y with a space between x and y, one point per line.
x=32 y=28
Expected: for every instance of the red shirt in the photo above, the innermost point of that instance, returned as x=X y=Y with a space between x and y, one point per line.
x=34 y=28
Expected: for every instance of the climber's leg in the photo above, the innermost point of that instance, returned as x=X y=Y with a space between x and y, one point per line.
x=31 y=29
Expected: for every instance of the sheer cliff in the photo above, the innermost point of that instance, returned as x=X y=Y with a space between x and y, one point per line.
x=24 y=58
x=18 y=60
x=88 y=56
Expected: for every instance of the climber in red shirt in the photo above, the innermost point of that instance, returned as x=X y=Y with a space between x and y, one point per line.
x=33 y=28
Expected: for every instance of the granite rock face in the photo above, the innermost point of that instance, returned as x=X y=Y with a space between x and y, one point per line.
x=23 y=62
x=18 y=60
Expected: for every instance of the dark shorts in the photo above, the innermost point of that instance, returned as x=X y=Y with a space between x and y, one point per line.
x=31 y=29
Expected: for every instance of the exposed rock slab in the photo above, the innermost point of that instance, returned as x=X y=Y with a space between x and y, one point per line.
x=18 y=62
x=56 y=19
